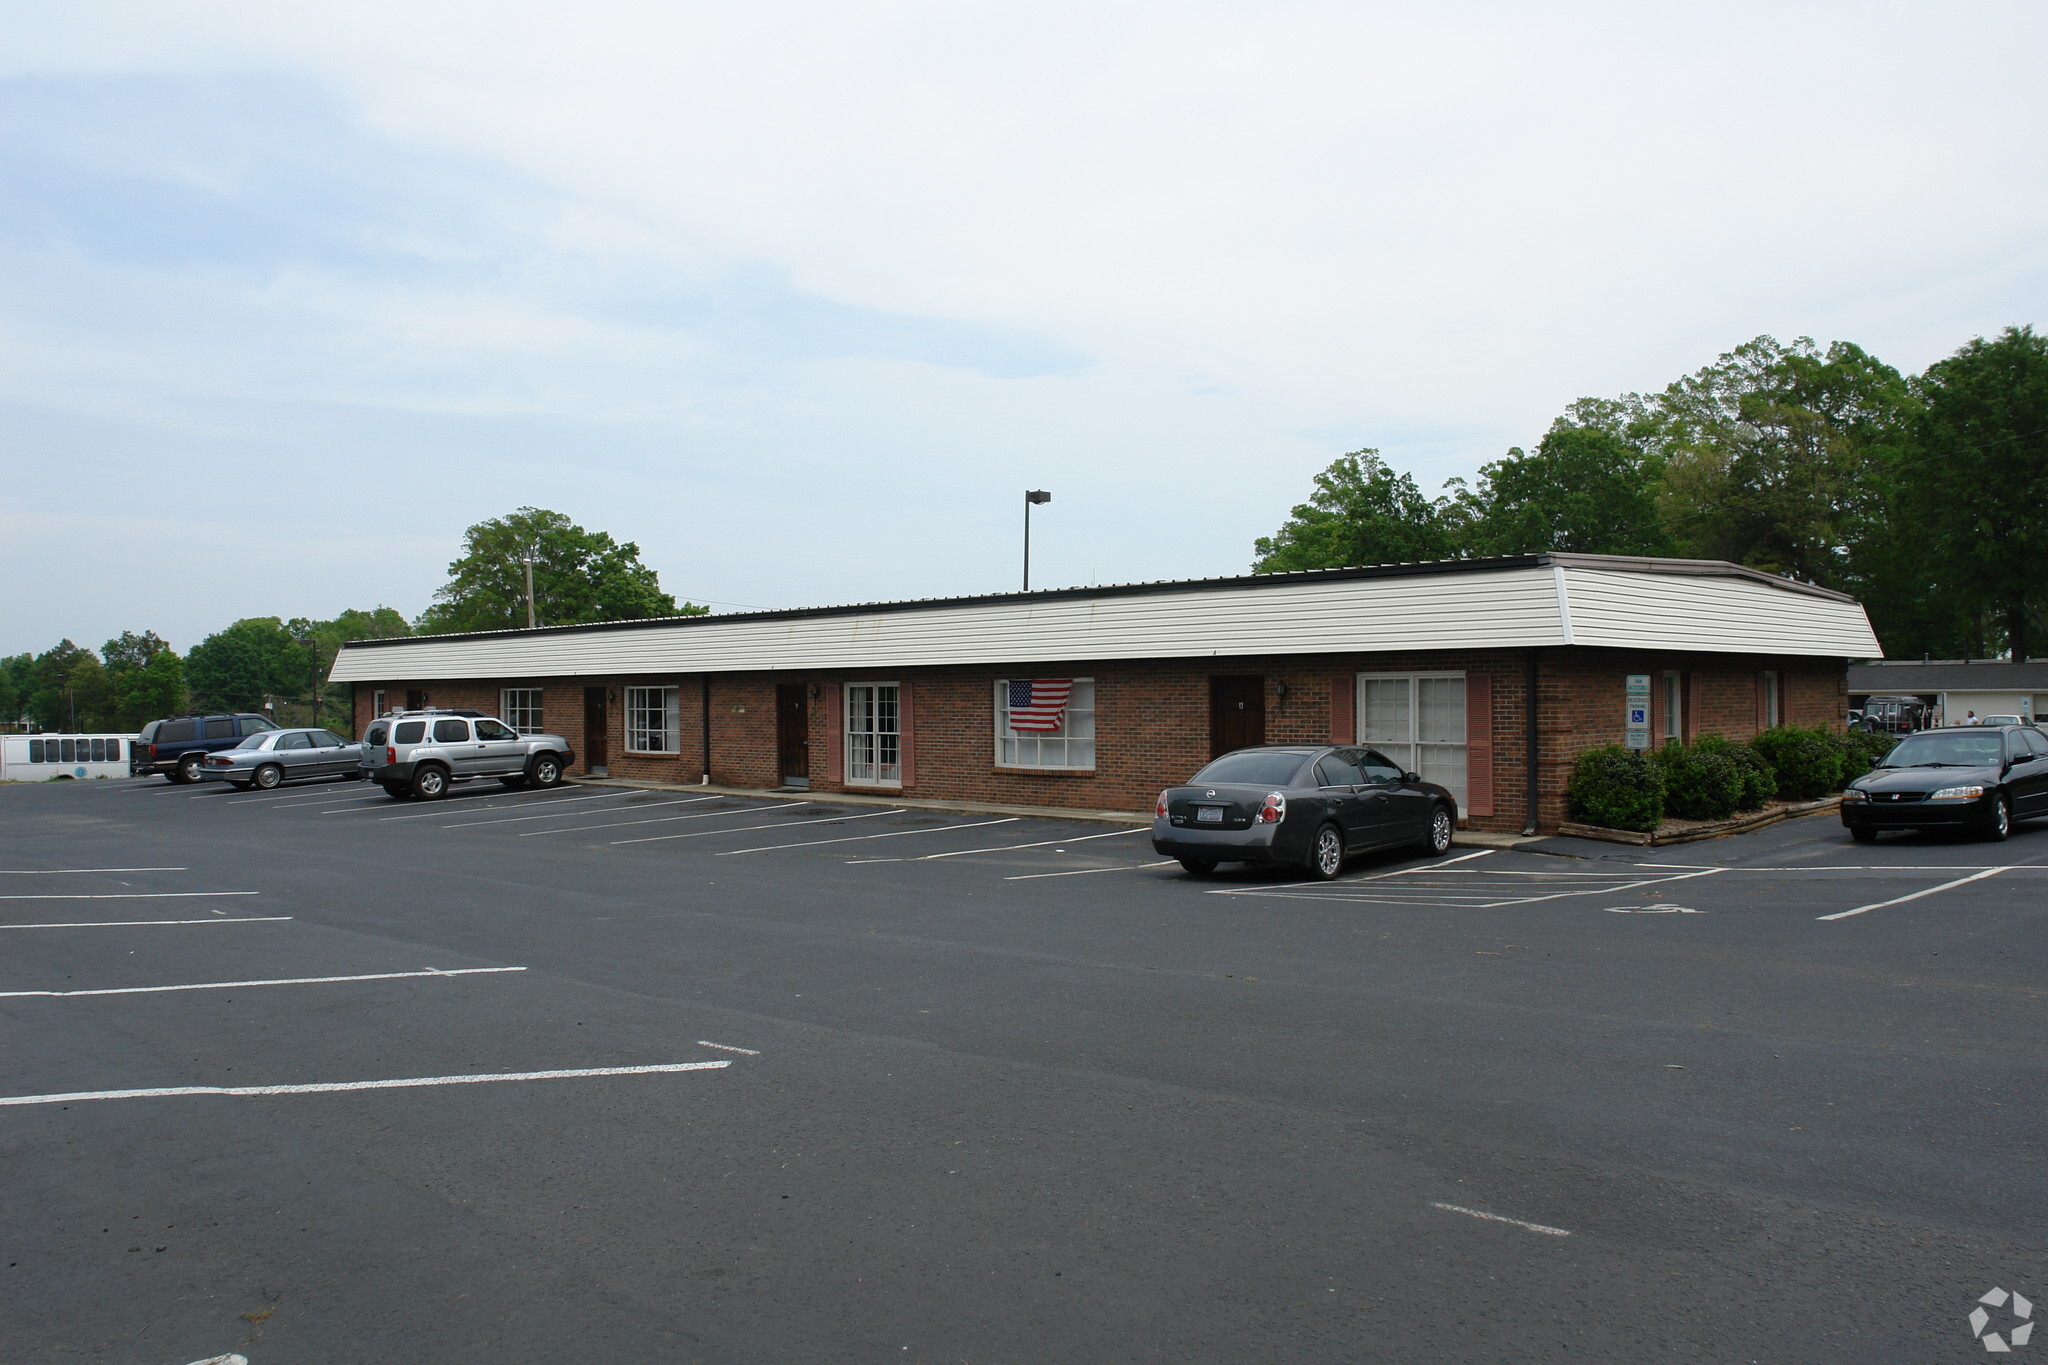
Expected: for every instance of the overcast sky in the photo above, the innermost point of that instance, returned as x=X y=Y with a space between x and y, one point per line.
x=802 y=296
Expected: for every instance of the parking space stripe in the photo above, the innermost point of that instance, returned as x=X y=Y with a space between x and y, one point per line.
x=855 y=838
x=545 y=815
x=1088 y=871
x=279 y=981
x=663 y=819
x=338 y=1087
x=346 y=791
x=779 y=824
x=518 y=797
x=443 y=812
x=1003 y=848
x=128 y=895
x=1929 y=891
x=66 y=871
x=1543 y=1228
x=132 y=923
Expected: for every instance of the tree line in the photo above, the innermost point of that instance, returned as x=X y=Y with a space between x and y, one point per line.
x=579 y=576
x=1923 y=496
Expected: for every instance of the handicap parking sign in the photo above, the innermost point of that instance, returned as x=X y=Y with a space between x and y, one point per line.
x=1638 y=715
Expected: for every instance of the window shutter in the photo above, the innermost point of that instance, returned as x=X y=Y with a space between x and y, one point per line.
x=1692 y=708
x=906 y=736
x=1343 y=709
x=1763 y=714
x=1478 y=744
x=835 y=736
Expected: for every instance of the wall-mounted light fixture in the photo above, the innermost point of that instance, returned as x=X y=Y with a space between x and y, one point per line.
x=816 y=691
x=1282 y=689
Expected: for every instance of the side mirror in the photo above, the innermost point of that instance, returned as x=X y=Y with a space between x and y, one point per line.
x=1411 y=777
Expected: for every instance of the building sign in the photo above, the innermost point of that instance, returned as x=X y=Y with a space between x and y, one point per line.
x=1636 y=727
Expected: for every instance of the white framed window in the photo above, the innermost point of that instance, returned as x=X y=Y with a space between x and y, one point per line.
x=874 y=735
x=376 y=703
x=652 y=723
x=519 y=707
x=1674 y=707
x=1774 y=699
x=1418 y=721
x=1045 y=723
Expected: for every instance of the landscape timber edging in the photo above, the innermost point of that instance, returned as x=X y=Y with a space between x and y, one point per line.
x=1711 y=829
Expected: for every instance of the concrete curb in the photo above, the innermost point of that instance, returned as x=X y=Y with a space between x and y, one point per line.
x=1466 y=838
x=1717 y=829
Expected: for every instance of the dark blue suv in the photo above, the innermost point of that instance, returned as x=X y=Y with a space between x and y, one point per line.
x=175 y=747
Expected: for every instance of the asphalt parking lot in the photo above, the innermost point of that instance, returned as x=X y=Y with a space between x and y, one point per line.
x=600 y=1074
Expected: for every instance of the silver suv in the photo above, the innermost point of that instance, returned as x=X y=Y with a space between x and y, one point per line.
x=418 y=753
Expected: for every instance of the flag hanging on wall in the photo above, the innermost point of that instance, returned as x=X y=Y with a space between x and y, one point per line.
x=1037 y=705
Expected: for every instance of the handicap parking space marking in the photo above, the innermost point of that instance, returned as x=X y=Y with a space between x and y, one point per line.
x=141 y=923
x=342 y=1087
x=1653 y=910
x=443 y=812
x=551 y=815
x=1089 y=871
x=278 y=981
x=1003 y=848
x=856 y=838
x=742 y=829
x=666 y=819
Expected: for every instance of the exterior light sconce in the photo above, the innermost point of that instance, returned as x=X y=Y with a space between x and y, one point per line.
x=1282 y=690
x=816 y=691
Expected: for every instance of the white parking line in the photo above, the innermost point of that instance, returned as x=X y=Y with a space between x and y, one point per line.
x=728 y=1047
x=1004 y=848
x=336 y=1087
x=855 y=838
x=481 y=802
x=544 y=815
x=443 y=811
x=1901 y=900
x=1474 y=894
x=1088 y=871
x=280 y=981
x=779 y=824
x=130 y=923
x=1497 y=1218
x=664 y=819
x=129 y=895
x=66 y=871
x=318 y=796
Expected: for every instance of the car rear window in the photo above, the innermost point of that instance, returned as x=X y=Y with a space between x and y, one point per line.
x=410 y=732
x=376 y=735
x=450 y=731
x=1261 y=770
x=173 y=731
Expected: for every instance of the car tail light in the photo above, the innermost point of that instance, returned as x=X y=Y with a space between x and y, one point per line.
x=390 y=753
x=1159 y=807
x=220 y=762
x=1275 y=809
x=152 y=751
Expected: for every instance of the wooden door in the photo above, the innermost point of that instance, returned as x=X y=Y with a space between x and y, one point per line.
x=1237 y=713
x=793 y=734
x=596 y=730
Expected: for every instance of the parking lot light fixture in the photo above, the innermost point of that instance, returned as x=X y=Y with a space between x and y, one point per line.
x=1031 y=496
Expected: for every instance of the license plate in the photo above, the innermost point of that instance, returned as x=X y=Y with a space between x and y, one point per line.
x=1209 y=815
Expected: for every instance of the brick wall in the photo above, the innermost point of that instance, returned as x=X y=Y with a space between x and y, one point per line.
x=1152 y=718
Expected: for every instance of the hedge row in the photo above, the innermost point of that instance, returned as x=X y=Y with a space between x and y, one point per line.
x=1714 y=777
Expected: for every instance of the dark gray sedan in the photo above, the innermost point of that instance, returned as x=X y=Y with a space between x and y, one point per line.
x=1298 y=805
x=278 y=756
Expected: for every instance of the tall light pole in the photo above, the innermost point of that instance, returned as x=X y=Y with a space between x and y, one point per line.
x=526 y=557
x=1034 y=495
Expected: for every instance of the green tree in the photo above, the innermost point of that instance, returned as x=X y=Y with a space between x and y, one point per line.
x=55 y=680
x=236 y=668
x=129 y=650
x=14 y=675
x=145 y=679
x=578 y=576
x=1361 y=512
x=1585 y=489
x=1977 y=476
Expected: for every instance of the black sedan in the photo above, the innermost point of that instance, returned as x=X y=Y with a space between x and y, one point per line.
x=1977 y=778
x=1298 y=805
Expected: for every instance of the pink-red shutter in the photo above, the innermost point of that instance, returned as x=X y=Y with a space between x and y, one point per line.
x=1692 y=707
x=1343 y=709
x=1479 y=744
x=835 y=741
x=906 y=734
x=1762 y=702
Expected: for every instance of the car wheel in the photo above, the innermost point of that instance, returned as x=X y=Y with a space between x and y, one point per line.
x=187 y=770
x=1326 y=854
x=1200 y=867
x=516 y=781
x=1863 y=834
x=397 y=791
x=546 y=771
x=268 y=776
x=429 y=783
x=1437 y=840
x=2000 y=823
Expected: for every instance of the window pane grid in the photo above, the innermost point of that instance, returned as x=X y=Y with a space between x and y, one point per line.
x=874 y=739
x=519 y=707
x=1419 y=723
x=1072 y=745
x=652 y=723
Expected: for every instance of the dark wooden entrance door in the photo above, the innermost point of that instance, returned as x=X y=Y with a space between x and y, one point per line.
x=1237 y=713
x=596 y=729
x=793 y=734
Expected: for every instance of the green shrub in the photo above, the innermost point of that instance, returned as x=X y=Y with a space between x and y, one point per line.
x=1699 y=783
x=1807 y=763
x=1860 y=751
x=1759 y=781
x=1617 y=788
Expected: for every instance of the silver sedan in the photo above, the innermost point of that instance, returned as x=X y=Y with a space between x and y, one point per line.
x=277 y=756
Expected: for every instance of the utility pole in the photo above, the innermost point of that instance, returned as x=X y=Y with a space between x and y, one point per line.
x=1031 y=496
x=526 y=557
x=312 y=680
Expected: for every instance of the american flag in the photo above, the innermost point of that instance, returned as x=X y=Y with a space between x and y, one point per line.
x=1037 y=705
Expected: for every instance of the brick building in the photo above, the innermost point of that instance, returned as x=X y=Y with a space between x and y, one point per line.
x=1439 y=666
